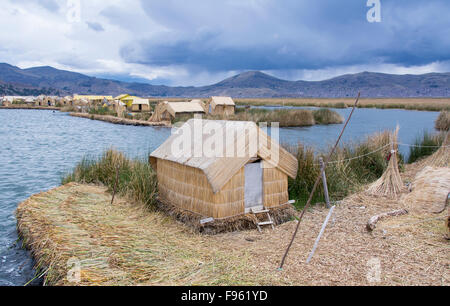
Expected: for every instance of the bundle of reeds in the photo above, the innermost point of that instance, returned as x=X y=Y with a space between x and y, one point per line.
x=441 y=158
x=429 y=191
x=443 y=121
x=390 y=183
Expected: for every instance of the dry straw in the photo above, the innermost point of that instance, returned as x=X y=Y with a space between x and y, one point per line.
x=429 y=190
x=390 y=183
x=441 y=158
x=126 y=244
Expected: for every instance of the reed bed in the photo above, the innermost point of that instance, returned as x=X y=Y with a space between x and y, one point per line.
x=126 y=244
x=425 y=145
x=423 y=104
x=285 y=117
x=443 y=121
x=121 y=244
x=132 y=178
x=103 y=111
x=69 y=109
x=441 y=158
x=327 y=116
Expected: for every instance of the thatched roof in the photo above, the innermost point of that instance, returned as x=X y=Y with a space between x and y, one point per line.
x=88 y=97
x=222 y=101
x=120 y=97
x=184 y=107
x=219 y=170
x=140 y=101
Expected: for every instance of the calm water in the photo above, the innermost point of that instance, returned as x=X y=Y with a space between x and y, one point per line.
x=38 y=147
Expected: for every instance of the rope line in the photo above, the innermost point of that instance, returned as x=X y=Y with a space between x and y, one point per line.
x=378 y=150
x=356 y=157
x=417 y=146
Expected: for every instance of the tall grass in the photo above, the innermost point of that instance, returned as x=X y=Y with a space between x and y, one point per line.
x=69 y=109
x=425 y=145
x=102 y=111
x=285 y=117
x=136 y=178
x=327 y=116
x=137 y=116
x=423 y=104
x=443 y=121
x=345 y=174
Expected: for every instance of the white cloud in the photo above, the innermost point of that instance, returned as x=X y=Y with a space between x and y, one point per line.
x=223 y=38
x=331 y=72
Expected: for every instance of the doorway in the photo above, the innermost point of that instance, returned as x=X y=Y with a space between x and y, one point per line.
x=253 y=194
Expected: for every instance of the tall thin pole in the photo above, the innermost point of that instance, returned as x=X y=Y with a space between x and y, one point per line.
x=322 y=230
x=324 y=181
x=319 y=177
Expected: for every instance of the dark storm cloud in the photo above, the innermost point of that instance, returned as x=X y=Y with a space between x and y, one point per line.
x=270 y=34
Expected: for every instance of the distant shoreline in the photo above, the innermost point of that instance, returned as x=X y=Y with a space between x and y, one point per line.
x=31 y=107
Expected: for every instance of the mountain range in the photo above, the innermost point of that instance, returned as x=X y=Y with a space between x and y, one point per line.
x=252 y=84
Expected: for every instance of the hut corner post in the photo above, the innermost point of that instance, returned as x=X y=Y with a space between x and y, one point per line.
x=324 y=180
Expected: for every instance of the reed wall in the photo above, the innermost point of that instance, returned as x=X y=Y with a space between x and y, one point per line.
x=189 y=189
x=275 y=187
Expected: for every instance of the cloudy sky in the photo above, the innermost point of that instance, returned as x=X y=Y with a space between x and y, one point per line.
x=199 y=42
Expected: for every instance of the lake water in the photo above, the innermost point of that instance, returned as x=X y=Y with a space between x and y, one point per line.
x=38 y=147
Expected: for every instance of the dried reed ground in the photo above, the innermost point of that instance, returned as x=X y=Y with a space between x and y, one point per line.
x=125 y=244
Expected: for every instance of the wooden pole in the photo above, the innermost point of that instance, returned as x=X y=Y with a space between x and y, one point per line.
x=320 y=234
x=319 y=177
x=324 y=181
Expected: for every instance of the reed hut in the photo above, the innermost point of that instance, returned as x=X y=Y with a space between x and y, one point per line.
x=93 y=100
x=167 y=111
x=119 y=107
x=221 y=106
x=140 y=105
x=7 y=101
x=223 y=185
x=49 y=101
x=29 y=101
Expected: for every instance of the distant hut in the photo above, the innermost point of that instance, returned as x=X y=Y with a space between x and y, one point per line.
x=30 y=101
x=64 y=101
x=224 y=187
x=167 y=111
x=221 y=106
x=49 y=101
x=68 y=100
x=140 y=105
x=7 y=101
x=120 y=108
x=93 y=100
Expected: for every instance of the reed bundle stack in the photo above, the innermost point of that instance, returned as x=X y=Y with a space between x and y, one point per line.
x=443 y=121
x=441 y=158
x=390 y=184
x=429 y=190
